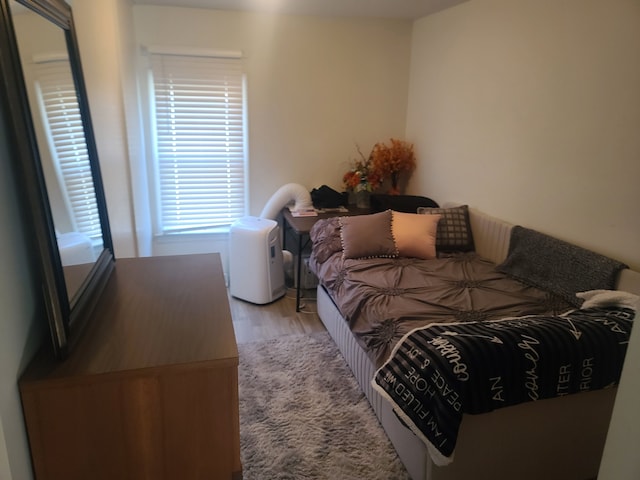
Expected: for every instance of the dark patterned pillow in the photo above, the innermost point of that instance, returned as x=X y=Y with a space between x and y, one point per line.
x=454 y=229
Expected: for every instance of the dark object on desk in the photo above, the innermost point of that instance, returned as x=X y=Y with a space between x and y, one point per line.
x=400 y=203
x=327 y=197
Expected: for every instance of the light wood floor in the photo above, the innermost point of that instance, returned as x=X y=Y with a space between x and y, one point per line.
x=262 y=322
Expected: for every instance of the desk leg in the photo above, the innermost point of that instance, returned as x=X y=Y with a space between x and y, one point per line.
x=299 y=267
x=285 y=224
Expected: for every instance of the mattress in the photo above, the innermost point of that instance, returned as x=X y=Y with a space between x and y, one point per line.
x=511 y=442
x=382 y=299
x=502 y=445
x=410 y=449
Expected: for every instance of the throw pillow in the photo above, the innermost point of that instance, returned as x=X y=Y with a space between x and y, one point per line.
x=415 y=235
x=454 y=229
x=366 y=236
x=608 y=298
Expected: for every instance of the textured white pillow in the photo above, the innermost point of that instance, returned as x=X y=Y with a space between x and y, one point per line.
x=608 y=298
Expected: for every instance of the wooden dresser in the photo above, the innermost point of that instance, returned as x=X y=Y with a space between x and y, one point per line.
x=151 y=389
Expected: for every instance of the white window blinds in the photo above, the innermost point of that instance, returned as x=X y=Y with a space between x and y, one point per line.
x=199 y=141
x=68 y=146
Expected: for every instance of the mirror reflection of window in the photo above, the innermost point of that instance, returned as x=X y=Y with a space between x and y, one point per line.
x=65 y=135
x=61 y=142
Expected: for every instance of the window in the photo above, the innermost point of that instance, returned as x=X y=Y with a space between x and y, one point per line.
x=65 y=132
x=199 y=148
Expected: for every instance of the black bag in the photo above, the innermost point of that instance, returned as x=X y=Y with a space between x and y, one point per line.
x=400 y=203
x=327 y=197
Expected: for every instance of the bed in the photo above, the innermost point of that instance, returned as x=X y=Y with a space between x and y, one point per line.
x=378 y=289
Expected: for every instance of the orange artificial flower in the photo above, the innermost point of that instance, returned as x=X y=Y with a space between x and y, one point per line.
x=392 y=159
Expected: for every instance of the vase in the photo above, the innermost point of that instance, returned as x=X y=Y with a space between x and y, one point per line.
x=394 y=184
x=363 y=199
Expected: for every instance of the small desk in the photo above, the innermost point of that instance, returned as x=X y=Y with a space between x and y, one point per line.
x=300 y=228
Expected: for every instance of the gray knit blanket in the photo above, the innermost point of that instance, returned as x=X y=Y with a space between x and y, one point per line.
x=557 y=266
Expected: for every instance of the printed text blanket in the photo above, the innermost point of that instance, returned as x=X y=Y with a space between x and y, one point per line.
x=439 y=372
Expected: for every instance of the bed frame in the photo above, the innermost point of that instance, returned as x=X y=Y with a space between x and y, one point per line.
x=560 y=438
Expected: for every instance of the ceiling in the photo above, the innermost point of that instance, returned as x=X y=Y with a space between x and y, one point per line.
x=401 y=9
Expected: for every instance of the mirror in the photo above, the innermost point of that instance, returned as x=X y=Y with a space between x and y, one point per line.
x=53 y=103
x=58 y=160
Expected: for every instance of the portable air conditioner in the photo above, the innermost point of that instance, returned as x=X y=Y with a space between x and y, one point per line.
x=256 y=271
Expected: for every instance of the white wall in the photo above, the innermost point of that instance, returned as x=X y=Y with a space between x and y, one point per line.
x=5 y=469
x=530 y=110
x=620 y=458
x=22 y=323
x=128 y=57
x=101 y=34
x=316 y=86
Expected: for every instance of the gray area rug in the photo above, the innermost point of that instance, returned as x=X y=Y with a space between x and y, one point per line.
x=303 y=416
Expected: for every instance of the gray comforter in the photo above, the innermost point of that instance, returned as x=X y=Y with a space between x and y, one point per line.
x=384 y=298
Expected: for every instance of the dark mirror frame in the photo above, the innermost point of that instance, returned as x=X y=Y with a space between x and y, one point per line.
x=66 y=316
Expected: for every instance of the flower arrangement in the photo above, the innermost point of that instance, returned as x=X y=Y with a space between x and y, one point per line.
x=391 y=160
x=384 y=161
x=362 y=176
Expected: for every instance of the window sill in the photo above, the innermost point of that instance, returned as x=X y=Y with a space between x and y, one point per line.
x=182 y=236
